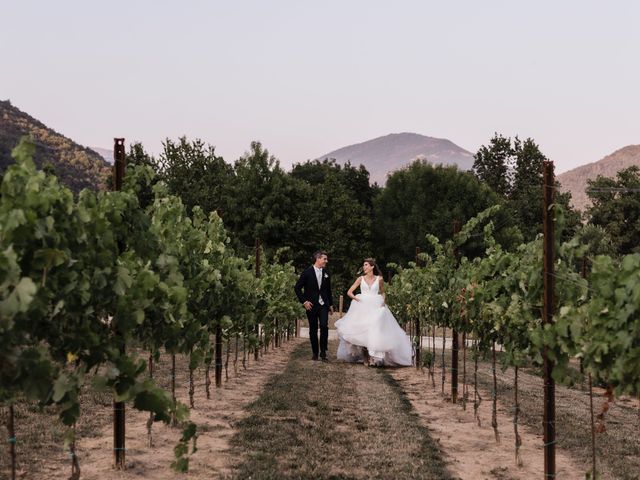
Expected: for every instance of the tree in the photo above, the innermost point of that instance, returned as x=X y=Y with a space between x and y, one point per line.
x=424 y=199
x=195 y=173
x=616 y=208
x=335 y=221
x=514 y=171
x=137 y=156
x=354 y=179
x=493 y=164
x=318 y=206
x=263 y=202
x=525 y=195
x=596 y=239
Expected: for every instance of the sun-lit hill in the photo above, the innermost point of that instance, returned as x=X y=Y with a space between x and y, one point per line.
x=385 y=154
x=575 y=181
x=76 y=166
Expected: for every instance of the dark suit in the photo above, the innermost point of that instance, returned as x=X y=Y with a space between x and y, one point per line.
x=307 y=290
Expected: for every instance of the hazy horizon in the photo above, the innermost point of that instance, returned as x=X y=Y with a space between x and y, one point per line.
x=306 y=79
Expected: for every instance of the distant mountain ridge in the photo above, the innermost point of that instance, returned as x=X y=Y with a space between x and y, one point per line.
x=105 y=153
x=575 y=181
x=76 y=166
x=385 y=154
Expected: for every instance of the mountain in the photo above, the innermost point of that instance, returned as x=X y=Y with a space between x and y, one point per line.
x=76 y=166
x=105 y=153
x=385 y=154
x=575 y=181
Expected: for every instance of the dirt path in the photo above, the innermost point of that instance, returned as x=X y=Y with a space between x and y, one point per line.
x=472 y=451
x=334 y=420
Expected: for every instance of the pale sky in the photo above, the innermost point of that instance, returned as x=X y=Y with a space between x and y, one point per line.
x=307 y=77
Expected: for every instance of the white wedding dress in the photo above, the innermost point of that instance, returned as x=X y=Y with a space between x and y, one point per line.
x=369 y=323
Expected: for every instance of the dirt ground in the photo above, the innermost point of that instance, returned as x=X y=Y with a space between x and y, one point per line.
x=471 y=451
x=216 y=419
x=286 y=416
x=617 y=447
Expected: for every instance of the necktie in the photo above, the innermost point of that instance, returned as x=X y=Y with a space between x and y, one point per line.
x=319 y=277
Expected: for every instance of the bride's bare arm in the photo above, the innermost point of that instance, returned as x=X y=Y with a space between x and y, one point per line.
x=355 y=285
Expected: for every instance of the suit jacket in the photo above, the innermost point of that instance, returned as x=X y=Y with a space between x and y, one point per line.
x=307 y=287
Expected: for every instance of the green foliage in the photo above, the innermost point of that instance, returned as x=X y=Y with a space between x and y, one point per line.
x=138 y=157
x=428 y=358
x=336 y=215
x=181 y=450
x=605 y=330
x=616 y=208
x=192 y=171
x=425 y=199
x=319 y=205
x=262 y=199
x=492 y=164
x=355 y=179
x=513 y=169
x=83 y=279
x=498 y=298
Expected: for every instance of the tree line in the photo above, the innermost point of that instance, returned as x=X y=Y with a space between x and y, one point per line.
x=321 y=204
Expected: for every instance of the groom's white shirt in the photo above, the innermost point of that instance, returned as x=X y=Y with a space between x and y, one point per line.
x=319 y=278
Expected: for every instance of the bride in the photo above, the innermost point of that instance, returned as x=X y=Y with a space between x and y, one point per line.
x=369 y=332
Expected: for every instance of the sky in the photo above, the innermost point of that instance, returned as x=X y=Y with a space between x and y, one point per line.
x=306 y=78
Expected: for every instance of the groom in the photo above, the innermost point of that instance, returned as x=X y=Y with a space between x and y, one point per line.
x=313 y=289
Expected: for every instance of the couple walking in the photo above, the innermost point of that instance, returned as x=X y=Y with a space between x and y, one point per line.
x=368 y=332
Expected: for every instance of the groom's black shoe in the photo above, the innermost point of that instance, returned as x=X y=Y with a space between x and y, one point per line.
x=323 y=357
x=315 y=357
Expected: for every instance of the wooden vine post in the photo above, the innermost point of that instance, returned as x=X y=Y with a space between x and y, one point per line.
x=118 y=407
x=218 y=355
x=549 y=419
x=12 y=440
x=150 y=419
x=276 y=328
x=418 y=338
x=456 y=341
x=256 y=353
x=593 y=424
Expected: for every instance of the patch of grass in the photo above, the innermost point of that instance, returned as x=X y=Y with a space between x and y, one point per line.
x=334 y=421
x=428 y=451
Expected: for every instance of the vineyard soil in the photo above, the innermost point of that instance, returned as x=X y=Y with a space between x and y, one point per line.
x=40 y=453
x=618 y=447
x=287 y=416
x=470 y=450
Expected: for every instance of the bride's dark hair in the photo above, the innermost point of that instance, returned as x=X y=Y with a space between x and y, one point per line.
x=372 y=262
